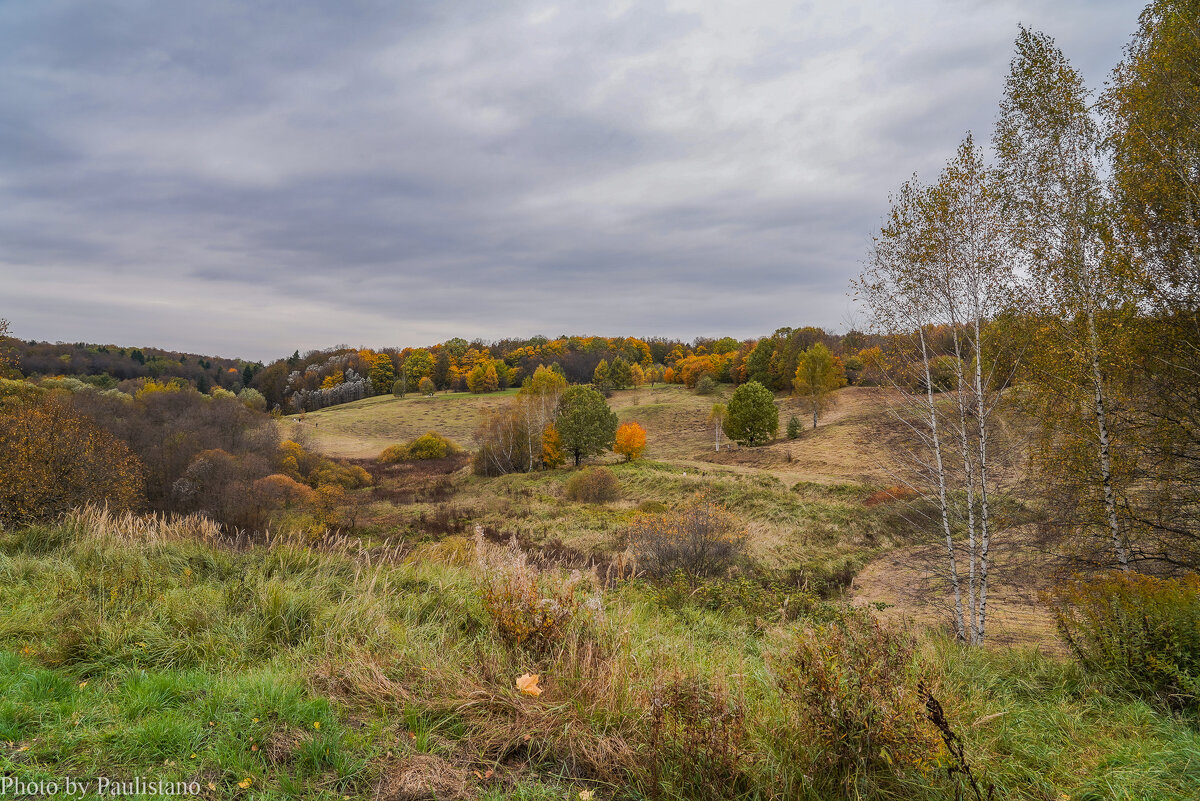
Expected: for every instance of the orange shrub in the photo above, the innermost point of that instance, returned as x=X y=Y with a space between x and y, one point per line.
x=630 y=441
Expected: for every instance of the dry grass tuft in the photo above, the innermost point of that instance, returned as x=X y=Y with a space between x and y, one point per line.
x=422 y=777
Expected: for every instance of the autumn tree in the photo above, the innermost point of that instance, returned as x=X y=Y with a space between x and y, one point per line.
x=630 y=441
x=751 y=417
x=382 y=373
x=552 y=448
x=426 y=387
x=620 y=373
x=475 y=380
x=601 y=378
x=56 y=459
x=585 y=422
x=1049 y=149
x=7 y=359
x=1152 y=108
x=637 y=376
x=818 y=374
x=537 y=405
x=418 y=365
x=938 y=275
x=491 y=380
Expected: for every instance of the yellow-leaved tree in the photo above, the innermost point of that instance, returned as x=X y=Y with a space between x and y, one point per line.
x=56 y=459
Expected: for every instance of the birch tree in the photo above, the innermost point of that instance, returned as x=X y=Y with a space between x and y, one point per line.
x=1048 y=146
x=937 y=277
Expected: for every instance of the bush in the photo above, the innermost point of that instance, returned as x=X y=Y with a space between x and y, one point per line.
x=702 y=539
x=53 y=459
x=1139 y=632
x=529 y=608
x=852 y=689
x=794 y=427
x=593 y=485
x=430 y=445
x=697 y=740
x=706 y=385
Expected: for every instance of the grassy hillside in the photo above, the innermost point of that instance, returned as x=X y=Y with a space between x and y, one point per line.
x=805 y=501
x=281 y=671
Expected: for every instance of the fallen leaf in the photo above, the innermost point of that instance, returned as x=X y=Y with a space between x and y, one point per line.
x=254 y=747
x=212 y=786
x=244 y=783
x=528 y=684
x=316 y=724
x=586 y=795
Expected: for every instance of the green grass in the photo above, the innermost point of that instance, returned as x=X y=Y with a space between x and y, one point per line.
x=124 y=656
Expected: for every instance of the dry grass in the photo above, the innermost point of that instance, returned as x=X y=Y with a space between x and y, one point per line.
x=362 y=429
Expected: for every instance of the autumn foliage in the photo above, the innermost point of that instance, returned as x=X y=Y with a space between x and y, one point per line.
x=55 y=459
x=630 y=441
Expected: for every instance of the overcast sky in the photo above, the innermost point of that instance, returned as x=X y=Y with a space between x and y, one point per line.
x=247 y=178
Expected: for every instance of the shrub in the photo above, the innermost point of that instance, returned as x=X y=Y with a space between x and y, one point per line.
x=701 y=538
x=706 y=385
x=393 y=453
x=529 y=608
x=426 y=386
x=430 y=445
x=593 y=485
x=852 y=690
x=1139 y=632
x=697 y=740
x=279 y=490
x=54 y=459
x=794 y=427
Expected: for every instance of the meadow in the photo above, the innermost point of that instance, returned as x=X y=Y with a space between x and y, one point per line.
x=392 y=660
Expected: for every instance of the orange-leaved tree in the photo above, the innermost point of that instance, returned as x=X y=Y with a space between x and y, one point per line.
x=630 y=441
x=56 y=459
x=552 y=452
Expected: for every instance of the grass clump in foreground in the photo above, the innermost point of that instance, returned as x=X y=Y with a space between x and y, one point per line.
x=133 y=647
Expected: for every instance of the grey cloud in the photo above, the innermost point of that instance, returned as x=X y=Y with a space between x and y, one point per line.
x=252 y=178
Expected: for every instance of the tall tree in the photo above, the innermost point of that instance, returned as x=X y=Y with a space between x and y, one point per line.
x=751 y=417
x=1049 y=150
x=818 y=374
x=585 y=423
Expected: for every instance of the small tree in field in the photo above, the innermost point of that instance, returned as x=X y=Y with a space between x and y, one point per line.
x=552 y=452
x=426 y=386
x=794 y=427
x=818 y=374
x=717 y=417
x=630 y=441
x=400 y=386
x=585 y=423
x=751 y=417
